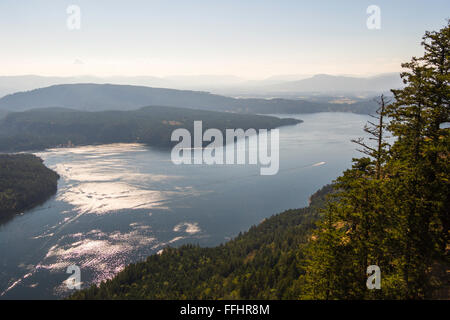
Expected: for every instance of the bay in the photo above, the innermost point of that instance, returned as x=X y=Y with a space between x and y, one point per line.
x=116 y=204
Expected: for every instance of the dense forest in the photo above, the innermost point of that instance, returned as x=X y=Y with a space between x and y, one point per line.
x=52 y=127
x=390 y=210
x=24 y=183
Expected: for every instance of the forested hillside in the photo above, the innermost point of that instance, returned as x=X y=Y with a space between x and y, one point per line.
x=390 y=210
x=100 y=97
x=392 y=206
x=51 y=127
x=24 y=183
x=263 y=263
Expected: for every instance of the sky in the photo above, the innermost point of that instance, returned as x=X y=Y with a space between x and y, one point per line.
x=253 y=39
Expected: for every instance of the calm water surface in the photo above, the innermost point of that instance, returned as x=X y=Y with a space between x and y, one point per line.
x=119 y=203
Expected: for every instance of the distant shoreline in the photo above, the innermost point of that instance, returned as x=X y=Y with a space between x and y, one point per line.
x=40 y=129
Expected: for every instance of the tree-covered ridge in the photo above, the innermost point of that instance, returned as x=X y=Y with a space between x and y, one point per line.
x=24 y=183
x=263 y=263
x=101 y=97
x=51 y=127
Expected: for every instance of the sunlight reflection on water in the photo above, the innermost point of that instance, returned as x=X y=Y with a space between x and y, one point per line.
x=116 y=204
x=102 y=180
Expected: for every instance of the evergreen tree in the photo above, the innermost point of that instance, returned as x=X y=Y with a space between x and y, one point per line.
x=419 y=169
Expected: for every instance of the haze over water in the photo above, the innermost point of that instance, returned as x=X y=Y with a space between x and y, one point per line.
x=117 y=204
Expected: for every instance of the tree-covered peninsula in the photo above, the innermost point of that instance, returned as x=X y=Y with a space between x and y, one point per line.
x=24 y=183
x=39 y=129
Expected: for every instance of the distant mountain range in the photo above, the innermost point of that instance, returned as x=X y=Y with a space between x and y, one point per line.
x=345 y=84
x=98 y=97
x=222 y=84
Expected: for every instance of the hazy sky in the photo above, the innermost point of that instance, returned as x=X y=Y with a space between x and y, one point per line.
x=251 y=39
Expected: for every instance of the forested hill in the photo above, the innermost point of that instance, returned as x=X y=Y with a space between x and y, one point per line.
x=51 y=127
x=389 y=211
x=24 y=183
x=262 y=263
x=97 y=97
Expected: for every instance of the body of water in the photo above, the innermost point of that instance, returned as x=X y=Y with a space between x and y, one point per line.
x=117 y=204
